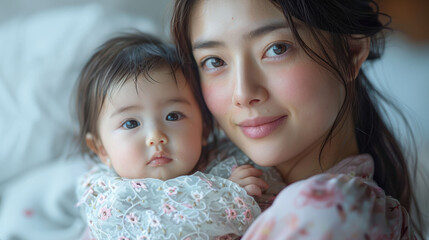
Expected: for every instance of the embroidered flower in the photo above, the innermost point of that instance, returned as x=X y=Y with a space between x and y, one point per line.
x=197 y=195
x=104 y=213
x=171 y=191
x=167 y=208
x=86 y=182
x=247 y=215
x=320 y=193
x=101 y=199
x=138 y=186
x=123 y=238
x=154 y=221
x=230 y=214
x=179 y=218
x=101 y=183
x=240 y=202
x=132 y=218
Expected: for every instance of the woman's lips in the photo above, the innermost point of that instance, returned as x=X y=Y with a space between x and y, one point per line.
x=261 y=127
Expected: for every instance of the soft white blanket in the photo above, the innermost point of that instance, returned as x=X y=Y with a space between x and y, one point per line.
x=41 y=57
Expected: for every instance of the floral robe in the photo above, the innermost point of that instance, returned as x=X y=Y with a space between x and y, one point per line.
x=343 y=203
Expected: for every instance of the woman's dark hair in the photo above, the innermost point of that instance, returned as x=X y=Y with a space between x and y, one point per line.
x=121 y=59
x=344 y=20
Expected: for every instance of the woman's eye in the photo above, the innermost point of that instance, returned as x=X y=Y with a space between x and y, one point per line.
x=212 y=63
x=174 y=116
x=277 y=50
x=130 y=124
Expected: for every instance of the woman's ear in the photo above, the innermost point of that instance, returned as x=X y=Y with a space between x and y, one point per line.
x=95 y=145
x=359 y=46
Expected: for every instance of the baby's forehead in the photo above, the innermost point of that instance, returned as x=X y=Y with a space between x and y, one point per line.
x=163 y=74
x=158 y=81
x=162 y=77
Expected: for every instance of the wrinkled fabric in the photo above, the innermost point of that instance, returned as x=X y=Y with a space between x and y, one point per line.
x=197 y=206
x=343 y=203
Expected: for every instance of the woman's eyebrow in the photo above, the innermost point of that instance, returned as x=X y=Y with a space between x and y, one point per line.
x=206 y=44
x=266 y=29
x=252 y=34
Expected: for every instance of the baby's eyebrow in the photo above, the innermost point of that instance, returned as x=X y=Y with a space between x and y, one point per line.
x=177 y=100
x=124 y=109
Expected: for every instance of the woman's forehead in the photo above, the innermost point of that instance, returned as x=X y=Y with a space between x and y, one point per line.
x=216 y=19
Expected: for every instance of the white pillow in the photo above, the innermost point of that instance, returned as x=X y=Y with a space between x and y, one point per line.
x=41 y=57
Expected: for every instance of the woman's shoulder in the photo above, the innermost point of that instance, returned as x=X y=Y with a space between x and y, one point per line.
x=361 y=165
x=348 y=194
x=348 y=180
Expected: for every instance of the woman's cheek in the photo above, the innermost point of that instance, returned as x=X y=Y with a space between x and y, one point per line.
x=292 y=85
x=216 y=97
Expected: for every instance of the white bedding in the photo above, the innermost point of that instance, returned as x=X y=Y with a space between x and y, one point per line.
x=40 y=58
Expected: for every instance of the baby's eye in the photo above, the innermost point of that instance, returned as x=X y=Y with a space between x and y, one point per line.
x=130 y=124
x=276 y=50
x=212 y=63
x=174 y=116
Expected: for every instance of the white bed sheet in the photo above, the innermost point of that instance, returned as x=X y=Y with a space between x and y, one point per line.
x=41 y=57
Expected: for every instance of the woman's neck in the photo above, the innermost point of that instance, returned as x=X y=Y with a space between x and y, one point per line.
x=343 y=144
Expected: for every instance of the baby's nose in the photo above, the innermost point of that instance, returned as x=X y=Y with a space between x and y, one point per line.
x=155 y=138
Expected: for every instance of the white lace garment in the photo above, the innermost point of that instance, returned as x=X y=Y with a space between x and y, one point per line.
x=198 y=206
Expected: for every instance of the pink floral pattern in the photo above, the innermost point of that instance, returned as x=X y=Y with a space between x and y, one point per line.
x=179 y=208
x=104 y=213
x=132 y=218
x=344 y=203
x=230 y=214
x=137 y=185
x=319 y=193
x=167 y=208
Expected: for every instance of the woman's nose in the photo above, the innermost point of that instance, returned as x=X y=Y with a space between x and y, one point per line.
x=155 y=138
x=249 y=89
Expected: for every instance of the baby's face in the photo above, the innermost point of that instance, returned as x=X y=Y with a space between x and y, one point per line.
x=154 y=130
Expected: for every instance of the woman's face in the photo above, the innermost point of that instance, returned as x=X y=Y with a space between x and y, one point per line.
x=272 y=100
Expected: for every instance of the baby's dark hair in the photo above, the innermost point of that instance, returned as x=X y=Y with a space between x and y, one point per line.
x=121 y=59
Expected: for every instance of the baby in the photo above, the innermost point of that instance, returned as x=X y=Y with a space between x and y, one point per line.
x=147 y=124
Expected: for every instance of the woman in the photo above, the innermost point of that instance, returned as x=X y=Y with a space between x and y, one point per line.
x=283 y=79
